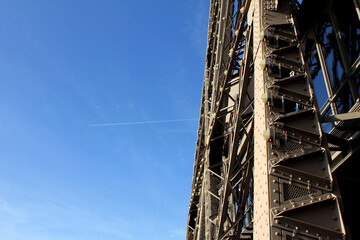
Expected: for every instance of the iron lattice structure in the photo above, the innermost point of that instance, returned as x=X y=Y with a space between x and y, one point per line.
x=270 y=163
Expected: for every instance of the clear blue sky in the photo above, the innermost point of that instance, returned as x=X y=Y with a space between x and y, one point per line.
x=65 y=65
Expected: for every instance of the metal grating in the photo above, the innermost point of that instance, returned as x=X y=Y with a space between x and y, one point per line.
x=292 y=238
x=346 y=134
x=292 y=192
x=292 y=146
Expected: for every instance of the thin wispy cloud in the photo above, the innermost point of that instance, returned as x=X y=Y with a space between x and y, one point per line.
x=139 y=123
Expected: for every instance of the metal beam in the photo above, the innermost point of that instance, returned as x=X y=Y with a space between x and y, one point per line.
x=341 y=117
x=262 y=161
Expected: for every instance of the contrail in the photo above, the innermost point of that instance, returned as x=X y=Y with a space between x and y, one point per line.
x=138 y=123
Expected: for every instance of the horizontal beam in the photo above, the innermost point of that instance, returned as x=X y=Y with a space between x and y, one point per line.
x=341 y=117
x=341 y=158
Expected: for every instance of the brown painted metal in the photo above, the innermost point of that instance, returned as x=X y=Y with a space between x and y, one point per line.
x=308 y=150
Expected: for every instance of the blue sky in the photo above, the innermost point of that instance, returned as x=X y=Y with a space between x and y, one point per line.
x=66 y=65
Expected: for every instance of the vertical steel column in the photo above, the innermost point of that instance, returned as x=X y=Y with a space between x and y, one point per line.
x=196 y=219
x=262 y=163
x=325 y=74
x=300 y=186
x=261 y=178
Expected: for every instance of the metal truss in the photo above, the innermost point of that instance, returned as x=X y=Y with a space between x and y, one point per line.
x=269 y=163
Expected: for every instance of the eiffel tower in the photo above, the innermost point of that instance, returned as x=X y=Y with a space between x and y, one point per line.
x=277 y=154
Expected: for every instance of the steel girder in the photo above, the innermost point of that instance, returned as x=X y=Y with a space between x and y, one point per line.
x=263 y=165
